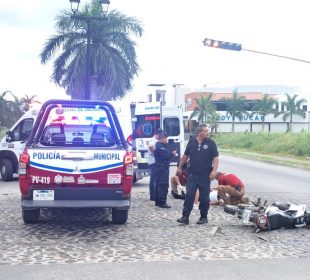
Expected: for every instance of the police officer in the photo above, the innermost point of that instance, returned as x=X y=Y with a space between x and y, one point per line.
x=163 y=157
x=151 y=163
x=203 y=155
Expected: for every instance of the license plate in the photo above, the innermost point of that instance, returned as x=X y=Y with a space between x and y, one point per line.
x=43 y=195
x=114 y=178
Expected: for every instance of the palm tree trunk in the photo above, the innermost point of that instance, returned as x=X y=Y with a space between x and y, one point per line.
x=291 y=121
x=263 y=123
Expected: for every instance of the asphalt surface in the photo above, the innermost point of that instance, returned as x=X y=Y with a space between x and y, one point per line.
x=275 y=269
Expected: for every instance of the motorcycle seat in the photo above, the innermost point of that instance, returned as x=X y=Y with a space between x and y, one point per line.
x=282 y=205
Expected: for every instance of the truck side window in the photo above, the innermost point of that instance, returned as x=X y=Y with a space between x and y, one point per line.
x=22 y=131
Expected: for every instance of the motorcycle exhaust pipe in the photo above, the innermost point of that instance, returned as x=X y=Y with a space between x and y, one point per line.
x=232 y=210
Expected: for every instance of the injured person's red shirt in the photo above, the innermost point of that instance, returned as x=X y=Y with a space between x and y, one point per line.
x=229 y=179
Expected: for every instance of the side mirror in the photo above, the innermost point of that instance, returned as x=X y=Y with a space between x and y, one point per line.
x=9 y=137
x=171 y=141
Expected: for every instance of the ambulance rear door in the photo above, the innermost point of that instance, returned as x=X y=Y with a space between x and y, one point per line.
x=172 y=124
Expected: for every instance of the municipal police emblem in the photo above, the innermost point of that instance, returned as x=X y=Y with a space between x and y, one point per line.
x=58 y=179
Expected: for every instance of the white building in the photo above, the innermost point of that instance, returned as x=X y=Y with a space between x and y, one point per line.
x=180 y=94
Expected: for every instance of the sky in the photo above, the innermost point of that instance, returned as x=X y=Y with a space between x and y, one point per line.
x=171 y=49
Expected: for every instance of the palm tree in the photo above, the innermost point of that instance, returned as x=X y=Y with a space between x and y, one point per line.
x=213 y=121
x=113 y=56
x=235 y=107
x=293 y=107
x=265 y=107
x=28 y=101
x=15 y=107
x=204 y=109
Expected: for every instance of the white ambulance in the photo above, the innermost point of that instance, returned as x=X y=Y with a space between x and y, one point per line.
x=151 y=116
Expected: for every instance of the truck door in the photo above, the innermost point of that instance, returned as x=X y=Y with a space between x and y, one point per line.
x=172 y=123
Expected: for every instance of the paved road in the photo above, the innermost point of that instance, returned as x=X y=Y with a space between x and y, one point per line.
x=150 y=236
x=267 y=177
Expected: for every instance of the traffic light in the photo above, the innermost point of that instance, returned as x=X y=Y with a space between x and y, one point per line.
x=222 y=45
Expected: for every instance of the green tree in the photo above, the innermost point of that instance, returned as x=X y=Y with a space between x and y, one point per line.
x=265 y=107
x=204 y=110
x=293 y=107
x=3 y=107
x=235 y=107
x=9 y=109
x=113 y=57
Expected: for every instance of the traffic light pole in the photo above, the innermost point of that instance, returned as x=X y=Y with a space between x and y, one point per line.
x=282 y=56
x=238 y=47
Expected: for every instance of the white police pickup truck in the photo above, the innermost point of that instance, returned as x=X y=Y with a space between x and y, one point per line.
x=13 y=144
x=76 y=156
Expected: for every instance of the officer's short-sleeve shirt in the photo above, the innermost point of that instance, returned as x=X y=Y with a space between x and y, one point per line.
x=201 y=155
x=151 y=158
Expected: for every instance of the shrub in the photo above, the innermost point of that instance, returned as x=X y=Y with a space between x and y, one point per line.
x=289 y=144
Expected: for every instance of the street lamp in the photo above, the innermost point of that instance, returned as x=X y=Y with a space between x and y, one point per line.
x=88 y=20
x=104 y=5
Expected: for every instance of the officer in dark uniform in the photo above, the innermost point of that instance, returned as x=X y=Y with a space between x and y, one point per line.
x=203 y=155
x=163 y=157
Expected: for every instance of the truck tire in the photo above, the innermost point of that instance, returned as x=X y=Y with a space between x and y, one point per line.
x=119 y=216
x=6 y=170
x=31 y=216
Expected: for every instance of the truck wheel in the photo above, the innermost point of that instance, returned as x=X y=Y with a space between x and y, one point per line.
x=7 y=170
x=31 y=216
x=119 y=216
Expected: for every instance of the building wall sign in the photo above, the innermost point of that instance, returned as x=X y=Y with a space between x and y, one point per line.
x=245 y=118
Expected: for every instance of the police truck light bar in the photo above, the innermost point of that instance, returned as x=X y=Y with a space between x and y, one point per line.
x=222 y=45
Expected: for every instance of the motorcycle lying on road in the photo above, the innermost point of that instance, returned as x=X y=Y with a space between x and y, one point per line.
x=275 y=216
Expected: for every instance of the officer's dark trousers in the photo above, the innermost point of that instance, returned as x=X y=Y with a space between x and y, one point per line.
x=201 y=182
x=152 y=184
x=162 y=185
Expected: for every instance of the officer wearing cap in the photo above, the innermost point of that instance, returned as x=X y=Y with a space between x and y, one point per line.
x=151 y=163
x=163 y=158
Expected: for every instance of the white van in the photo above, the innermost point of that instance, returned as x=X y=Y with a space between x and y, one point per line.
x=13 y=144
